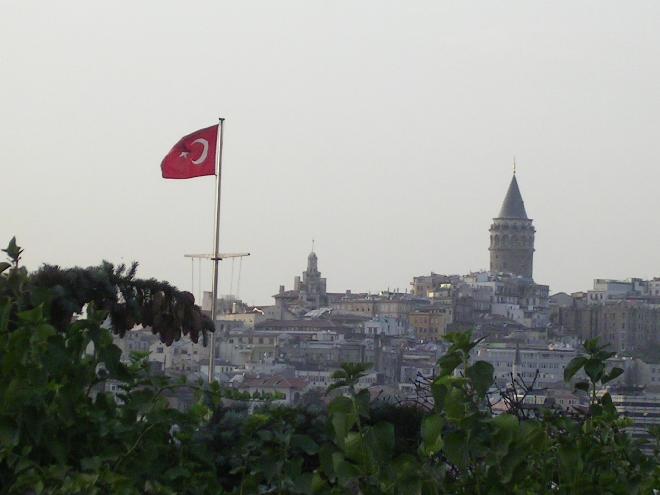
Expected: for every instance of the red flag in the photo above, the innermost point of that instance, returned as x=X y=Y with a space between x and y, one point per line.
x=192 y=156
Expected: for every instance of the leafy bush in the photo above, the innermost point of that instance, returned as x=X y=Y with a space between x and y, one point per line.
x=59 y=434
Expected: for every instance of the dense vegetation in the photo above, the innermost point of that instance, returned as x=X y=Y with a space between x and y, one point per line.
x=60 y=434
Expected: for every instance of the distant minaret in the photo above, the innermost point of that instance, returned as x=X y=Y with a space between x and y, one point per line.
x=313 y=286
x=312 y=272
x=512 y=236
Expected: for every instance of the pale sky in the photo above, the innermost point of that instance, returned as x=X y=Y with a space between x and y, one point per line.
x=384 y=130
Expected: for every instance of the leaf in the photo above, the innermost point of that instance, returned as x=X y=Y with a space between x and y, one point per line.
x=317 y=483
x=532 y=434
x=432 y=441
x=573 y=367
x=303 y=484
x=584 y=386
x=380 y=440
x=591 y=345
x=614 y=373
x=345 y=470
x=5 y=311
x=505 y=429
x=594 y=369
x=608 y=405
x=455 y=404
x=570 y=459
x=362 y=399
x=354 y=447
x=342 y=423
x=13 y=250
x=270 y=467
x=439 y=391
x=9 y=433
x=406 y=470
x=341 y=404
x=177 y=472
x=481 y=375
x=90 y=463
x=58 y=450
x=448 y=363
x=603 y=355
x=455 y=447
x=326 y=461
x=4 y=265
x=34 y=315
x=305 y=443
x=510 y=462
x=265 y=435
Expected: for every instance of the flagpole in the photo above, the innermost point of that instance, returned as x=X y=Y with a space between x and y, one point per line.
x=216 y=250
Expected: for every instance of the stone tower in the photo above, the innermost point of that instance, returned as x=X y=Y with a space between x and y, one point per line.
x=312 y=287
x=512 y=236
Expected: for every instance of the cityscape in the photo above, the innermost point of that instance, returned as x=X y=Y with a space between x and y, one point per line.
x=293 y=345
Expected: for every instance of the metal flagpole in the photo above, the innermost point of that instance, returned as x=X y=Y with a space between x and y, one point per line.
x=216 y=251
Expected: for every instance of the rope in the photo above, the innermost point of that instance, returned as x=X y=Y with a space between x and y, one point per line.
x=192 y=276
x=199 y=280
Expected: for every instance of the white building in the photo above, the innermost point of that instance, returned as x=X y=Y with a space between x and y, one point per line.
x=608 y=289
x=384 y=325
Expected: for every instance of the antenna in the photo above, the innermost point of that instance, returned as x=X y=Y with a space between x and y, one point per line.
x=514 y=164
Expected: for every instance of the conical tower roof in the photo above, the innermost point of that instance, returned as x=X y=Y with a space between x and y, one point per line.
x=513 y=205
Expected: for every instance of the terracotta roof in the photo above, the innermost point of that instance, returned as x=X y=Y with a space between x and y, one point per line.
x=274 y=382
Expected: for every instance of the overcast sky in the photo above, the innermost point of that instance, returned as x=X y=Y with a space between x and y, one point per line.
x=384 y=130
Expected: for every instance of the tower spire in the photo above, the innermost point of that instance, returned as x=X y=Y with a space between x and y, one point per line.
x=514 y=164
x=513 y=205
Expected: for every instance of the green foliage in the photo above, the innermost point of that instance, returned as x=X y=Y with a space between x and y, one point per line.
x=127 y=300
x=594 y=366
x=62 y=432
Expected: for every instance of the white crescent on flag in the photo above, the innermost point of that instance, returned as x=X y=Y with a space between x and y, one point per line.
x=205 y=151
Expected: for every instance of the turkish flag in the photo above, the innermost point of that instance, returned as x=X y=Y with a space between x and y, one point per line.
x=192 y=156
